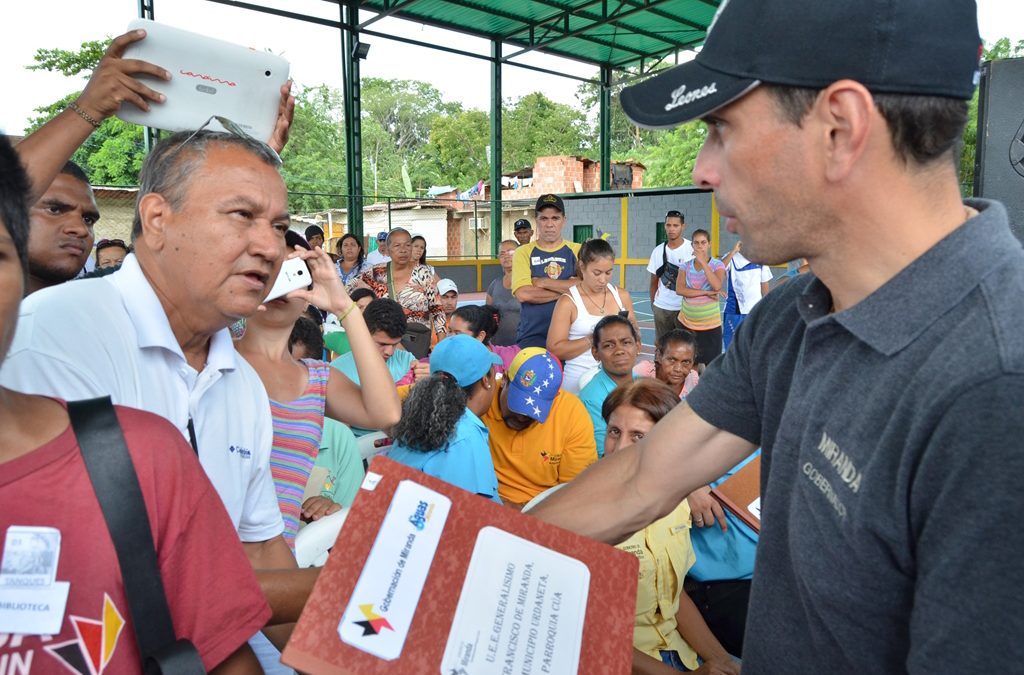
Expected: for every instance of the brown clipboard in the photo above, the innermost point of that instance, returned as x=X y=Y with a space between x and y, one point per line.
x=315 y=646
x=741 y=491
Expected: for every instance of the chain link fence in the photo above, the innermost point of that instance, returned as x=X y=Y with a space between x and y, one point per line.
x=455 y=229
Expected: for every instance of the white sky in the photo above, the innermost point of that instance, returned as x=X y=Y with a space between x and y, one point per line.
x=314 y=51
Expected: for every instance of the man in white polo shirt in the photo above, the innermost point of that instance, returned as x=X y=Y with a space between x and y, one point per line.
x=666 y=259
x=209 y=229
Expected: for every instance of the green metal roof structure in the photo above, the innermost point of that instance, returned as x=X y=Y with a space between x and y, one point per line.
x=615 y=33
x=612 y=35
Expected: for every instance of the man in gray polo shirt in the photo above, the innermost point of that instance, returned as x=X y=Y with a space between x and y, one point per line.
x=886 y=386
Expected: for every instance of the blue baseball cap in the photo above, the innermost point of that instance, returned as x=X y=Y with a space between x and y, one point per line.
x=464 y=358
x=534 y=378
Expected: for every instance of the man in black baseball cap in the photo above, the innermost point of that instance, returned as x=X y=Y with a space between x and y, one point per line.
x=523 y=231
x=889 y=479
x=542 y=271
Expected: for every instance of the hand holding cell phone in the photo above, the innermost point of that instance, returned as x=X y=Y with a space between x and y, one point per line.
x=294 y=275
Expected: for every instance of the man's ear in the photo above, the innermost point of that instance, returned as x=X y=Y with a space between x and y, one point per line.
x=154 y=211
x=846 y=112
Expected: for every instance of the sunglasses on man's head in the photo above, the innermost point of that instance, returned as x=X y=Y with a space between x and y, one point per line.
x=674 y=214
x=235 y=130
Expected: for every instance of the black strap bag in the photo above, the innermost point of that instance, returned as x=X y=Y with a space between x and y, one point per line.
x=667 y=273
x=116 y=484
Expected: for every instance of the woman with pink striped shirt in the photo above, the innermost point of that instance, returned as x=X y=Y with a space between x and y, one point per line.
x=703 y=277
x=302 y=392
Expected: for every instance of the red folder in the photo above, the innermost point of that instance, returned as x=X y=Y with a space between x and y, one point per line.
x=315 y=645
x=740 y=490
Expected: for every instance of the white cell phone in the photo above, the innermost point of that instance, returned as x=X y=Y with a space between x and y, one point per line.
x=294 y=275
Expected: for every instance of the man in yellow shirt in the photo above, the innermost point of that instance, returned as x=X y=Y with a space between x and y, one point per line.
x=542 y=271
x=540 y=436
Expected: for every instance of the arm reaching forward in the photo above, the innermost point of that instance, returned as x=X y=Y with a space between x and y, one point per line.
x=632 y=488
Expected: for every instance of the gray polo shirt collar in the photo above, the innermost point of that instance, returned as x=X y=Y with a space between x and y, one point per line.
x=904 y=307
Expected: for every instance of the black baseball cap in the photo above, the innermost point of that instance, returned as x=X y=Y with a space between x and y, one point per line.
x=522 y=224
x=550 y=200
x=914 y=47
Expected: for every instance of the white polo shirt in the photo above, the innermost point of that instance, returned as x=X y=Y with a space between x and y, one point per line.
x=747 y=283
x=110 y=336
x=666 y=298
x=375 y=257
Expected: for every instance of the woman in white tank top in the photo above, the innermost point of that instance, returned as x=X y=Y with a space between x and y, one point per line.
x=578 y=311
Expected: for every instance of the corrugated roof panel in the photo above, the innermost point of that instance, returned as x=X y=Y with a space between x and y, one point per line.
x=596 y=31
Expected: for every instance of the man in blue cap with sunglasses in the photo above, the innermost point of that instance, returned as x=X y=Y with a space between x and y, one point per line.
x=890 y=479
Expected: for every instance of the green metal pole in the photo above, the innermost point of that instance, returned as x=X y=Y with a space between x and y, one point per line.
x=146 y=11
x=495 y=147
x=606 y=126
x=353 y=116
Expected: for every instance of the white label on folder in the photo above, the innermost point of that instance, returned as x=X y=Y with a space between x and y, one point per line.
x=521 y=610
x=370 y=481
x=380 y=611
x=755 y=508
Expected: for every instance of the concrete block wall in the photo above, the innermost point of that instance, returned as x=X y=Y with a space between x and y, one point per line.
x=604 y=213
x=646 y=211
x=643 y=212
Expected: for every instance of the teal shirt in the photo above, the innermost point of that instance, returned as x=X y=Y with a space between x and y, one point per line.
x=398 y=365
x=593 y=396
x=339 y=455
x=464 y=462
x=729 y=555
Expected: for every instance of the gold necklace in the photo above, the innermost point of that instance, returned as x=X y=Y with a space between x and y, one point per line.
x=604 y=297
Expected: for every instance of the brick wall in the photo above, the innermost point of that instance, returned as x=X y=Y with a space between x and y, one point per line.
x=638 y=176
x=559 y=174
x=592 y=177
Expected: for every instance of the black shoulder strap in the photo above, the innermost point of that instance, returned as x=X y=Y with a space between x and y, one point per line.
x=116 y=484
x=664 y=253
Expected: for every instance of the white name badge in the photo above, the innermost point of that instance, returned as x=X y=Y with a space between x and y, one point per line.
x=33 y=610
x=30 y=556
x=383 y=603
x=521 y=610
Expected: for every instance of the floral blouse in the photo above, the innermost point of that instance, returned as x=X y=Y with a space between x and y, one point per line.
x=418 y=298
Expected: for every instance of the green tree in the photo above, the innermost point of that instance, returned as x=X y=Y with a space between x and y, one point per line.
x=405 y=110
x=458 y=147
x=628 y=141
x=670 y=161
x=314 y=158
x=535 y=126
x=382 y=164
x=1001 y=49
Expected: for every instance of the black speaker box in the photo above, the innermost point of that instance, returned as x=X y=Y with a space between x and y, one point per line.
x=999 y=159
